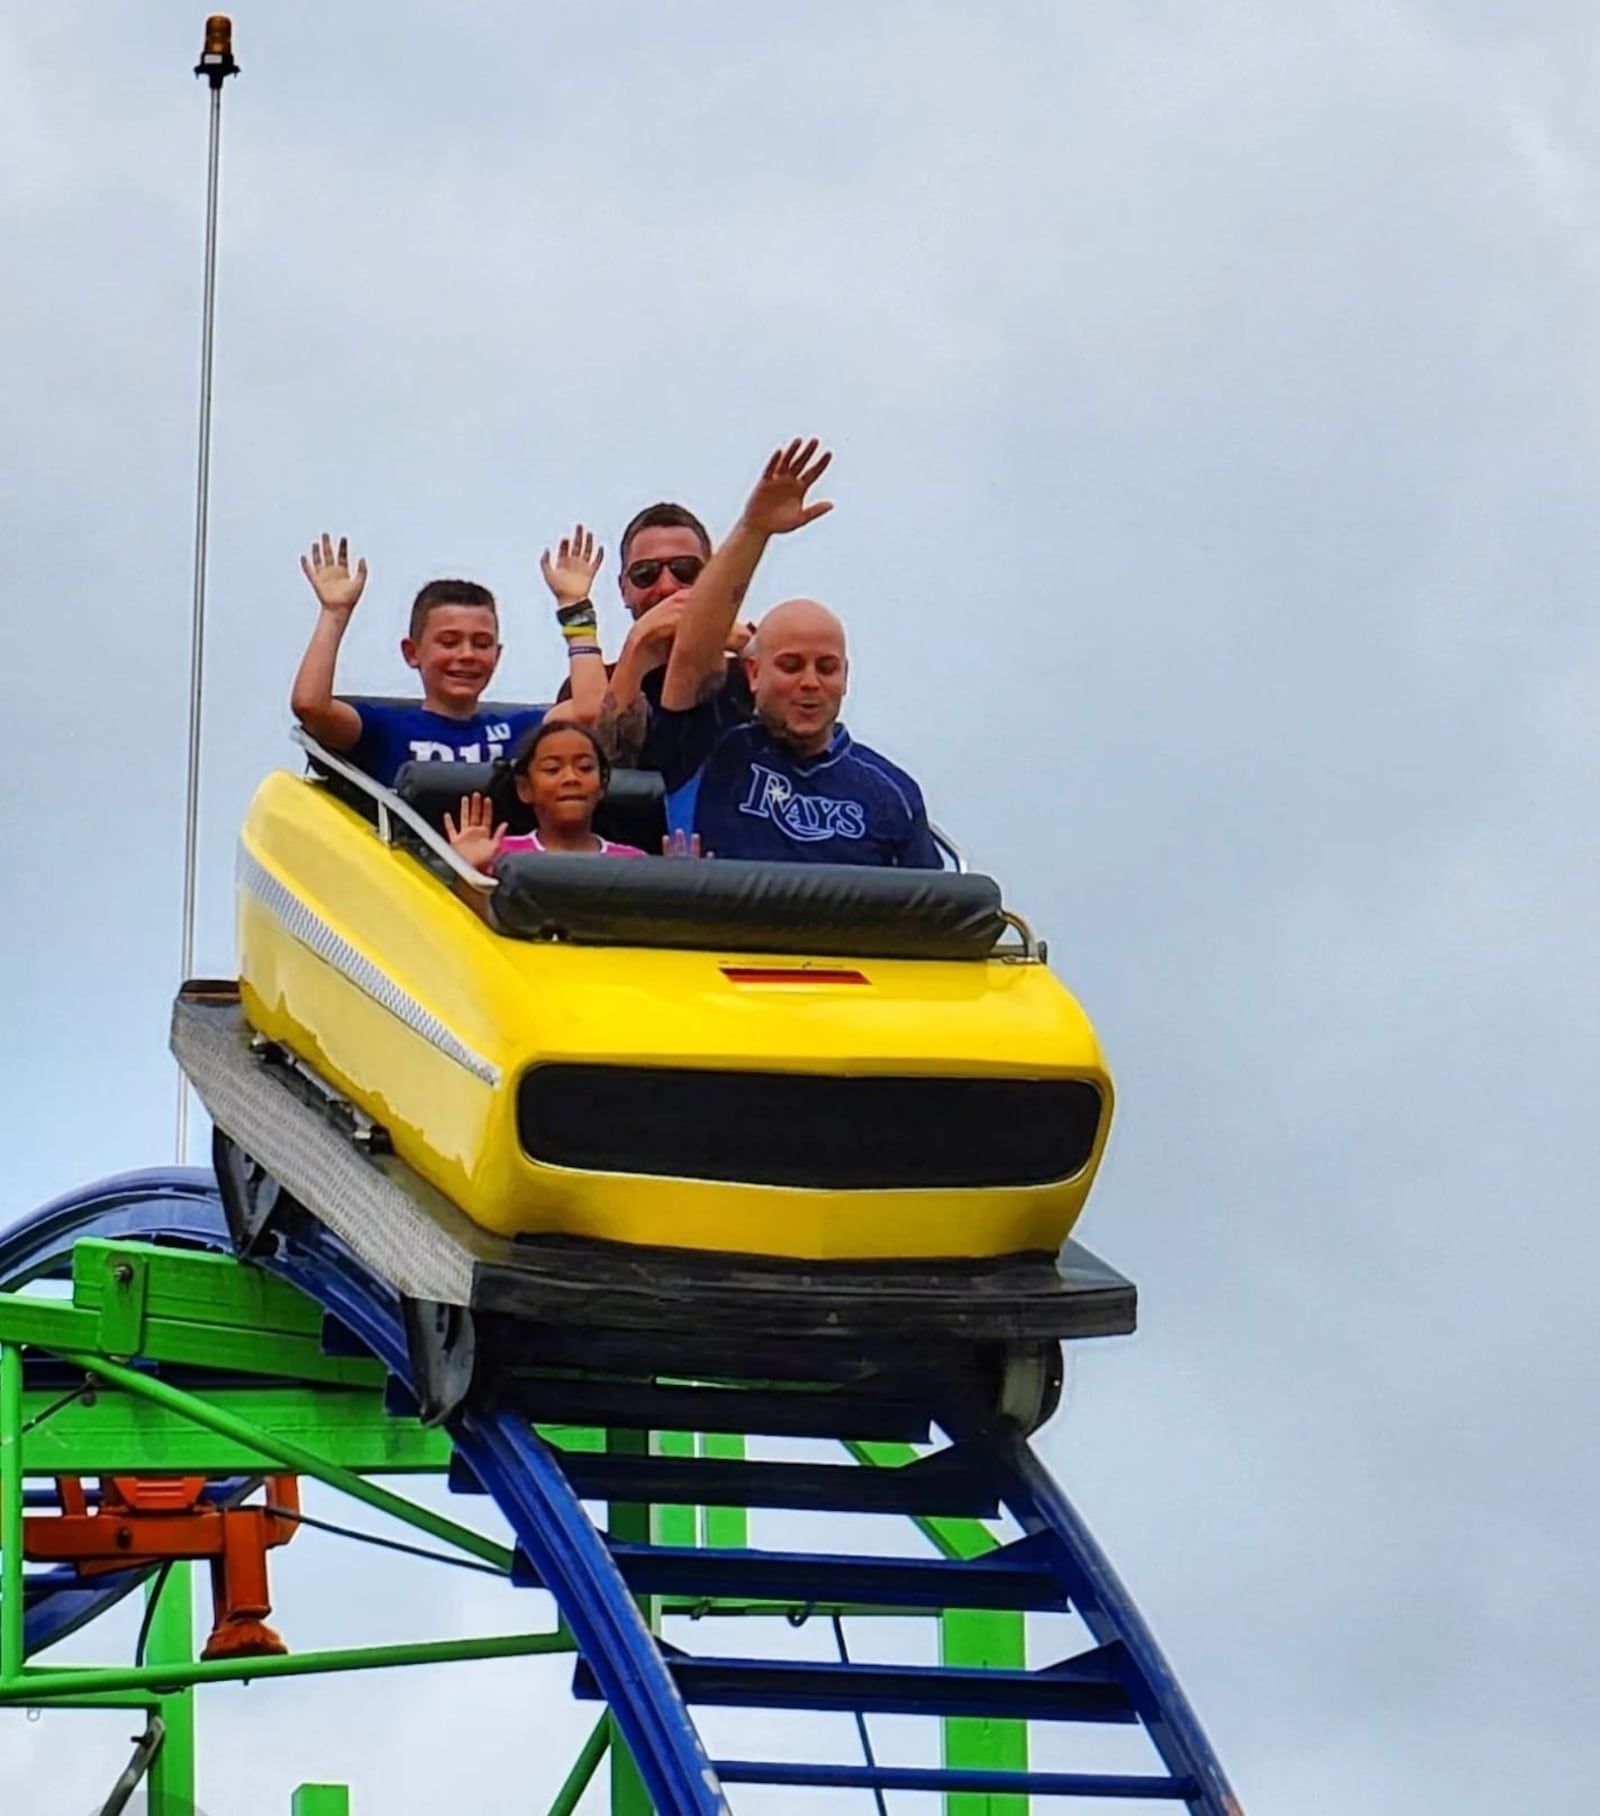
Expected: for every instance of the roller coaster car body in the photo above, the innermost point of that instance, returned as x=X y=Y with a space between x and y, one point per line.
x=811 y=1063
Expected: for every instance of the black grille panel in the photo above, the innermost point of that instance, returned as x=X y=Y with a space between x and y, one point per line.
x=801 y=1129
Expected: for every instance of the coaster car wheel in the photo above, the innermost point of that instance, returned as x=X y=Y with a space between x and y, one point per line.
x=251 y=1197
x=1028 y=1382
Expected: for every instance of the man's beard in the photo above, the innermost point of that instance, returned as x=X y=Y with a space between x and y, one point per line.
x=807 y=744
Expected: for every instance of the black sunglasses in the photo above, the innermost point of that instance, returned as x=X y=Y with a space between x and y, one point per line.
x=685 y=570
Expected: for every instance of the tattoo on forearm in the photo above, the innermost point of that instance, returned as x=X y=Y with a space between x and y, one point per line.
x=621 y=729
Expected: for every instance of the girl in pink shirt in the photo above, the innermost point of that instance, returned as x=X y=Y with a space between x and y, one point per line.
x=558 y=770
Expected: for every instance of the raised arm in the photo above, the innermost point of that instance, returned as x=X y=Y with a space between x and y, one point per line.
x=776 y=506
x=570 y=577
x=333 y=723
x=624 y=715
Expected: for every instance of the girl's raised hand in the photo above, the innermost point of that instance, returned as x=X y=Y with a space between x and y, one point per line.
x=680 y=845
x=476 y=840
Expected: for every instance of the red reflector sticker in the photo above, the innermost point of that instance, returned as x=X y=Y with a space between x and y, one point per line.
x=799 y=974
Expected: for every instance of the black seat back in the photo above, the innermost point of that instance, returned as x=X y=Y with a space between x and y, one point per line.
x=633 y=812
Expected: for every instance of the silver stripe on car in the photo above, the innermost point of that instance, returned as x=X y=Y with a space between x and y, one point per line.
x=303 y=923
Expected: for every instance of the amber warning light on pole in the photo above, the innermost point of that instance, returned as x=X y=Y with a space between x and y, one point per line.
x=216 y=58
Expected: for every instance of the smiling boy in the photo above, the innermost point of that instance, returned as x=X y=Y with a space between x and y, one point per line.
x=453 y=642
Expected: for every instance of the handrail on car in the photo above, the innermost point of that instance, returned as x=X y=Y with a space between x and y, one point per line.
x=391 y=807
x=950 y=848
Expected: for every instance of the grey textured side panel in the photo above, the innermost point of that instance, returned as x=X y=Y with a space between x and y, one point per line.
x=303 y=923
x=405 y=1231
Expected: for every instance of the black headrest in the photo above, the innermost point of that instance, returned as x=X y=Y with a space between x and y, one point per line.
x=730 y=905
x=631 y=814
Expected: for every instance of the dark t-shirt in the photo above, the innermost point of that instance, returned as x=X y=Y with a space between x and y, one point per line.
x=392 y=736
x=661 y=749
x=757 y=798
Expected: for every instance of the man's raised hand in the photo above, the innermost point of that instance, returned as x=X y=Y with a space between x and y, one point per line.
x=328 y=570
x=570 y=574
x=477 y=840
x=778 y=503
x=654 y=630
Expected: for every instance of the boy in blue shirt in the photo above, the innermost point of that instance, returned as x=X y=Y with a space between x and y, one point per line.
x=453 y=642
x=779 y=776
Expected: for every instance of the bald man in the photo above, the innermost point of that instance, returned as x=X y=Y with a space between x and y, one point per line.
x=779 y=778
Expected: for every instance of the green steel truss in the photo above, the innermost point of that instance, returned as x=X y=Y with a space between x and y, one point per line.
x=242 y=1386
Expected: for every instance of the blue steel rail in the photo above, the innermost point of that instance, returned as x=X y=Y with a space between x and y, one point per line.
x=181 y=1204
x=649 y=1684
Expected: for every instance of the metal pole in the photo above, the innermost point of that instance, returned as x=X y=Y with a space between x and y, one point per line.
x=145 y=1749
x=216 y=65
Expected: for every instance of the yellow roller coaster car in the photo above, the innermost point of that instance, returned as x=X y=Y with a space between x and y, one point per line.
x=808 y=1062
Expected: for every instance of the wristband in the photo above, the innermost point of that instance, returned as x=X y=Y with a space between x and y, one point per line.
x=574 y=648
x=579 y=622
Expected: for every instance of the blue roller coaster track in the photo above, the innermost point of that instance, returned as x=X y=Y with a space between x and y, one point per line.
x=650 y=1685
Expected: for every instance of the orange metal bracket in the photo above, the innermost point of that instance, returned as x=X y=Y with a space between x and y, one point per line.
x=145 y=1520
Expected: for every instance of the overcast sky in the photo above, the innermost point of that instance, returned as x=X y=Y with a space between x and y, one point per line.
x=1214 y=393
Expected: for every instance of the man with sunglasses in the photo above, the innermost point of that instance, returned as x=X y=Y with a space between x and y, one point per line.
x=664 y=550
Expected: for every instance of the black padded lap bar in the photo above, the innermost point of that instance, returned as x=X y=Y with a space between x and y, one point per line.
x=727 y=905
x=631 y=814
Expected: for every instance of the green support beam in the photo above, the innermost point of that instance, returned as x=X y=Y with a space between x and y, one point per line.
x=722 y=1527
x=126 y=1327
x=112 y=1430
x=320 y=1800
x=11 y=1610
x=42 y=1684
x=630 y=1524
x=288 y=1455
x=968 y=1637
x=584 y=1767
x=171 y=1781
x=991 y=1641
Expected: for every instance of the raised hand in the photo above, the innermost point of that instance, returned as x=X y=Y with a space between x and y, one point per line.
x=476 y=840
x=654 y=630
x=778 y=503
x=570 y=574
x=678 y=845
x=328 y=570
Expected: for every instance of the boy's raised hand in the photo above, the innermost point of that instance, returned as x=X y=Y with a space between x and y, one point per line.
x=570 y=575
x=476 y=840
x=328 y=570
x=778 y=503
